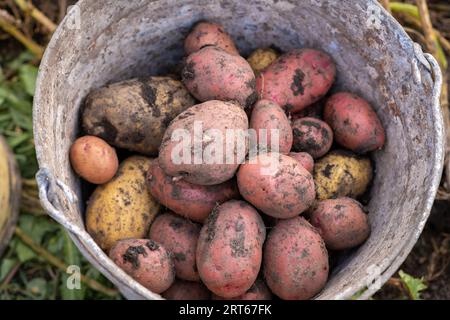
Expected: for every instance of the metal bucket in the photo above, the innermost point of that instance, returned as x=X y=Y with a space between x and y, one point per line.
x=110 y=40
x=10 y=186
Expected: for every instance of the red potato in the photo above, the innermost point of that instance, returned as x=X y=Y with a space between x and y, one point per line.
x=229 y=249
x=93 y=159
x=186 y=290
x=295 y=260
x=213 y=74
x=268 y=116
x=355 y=124
x=209 y=34
x=313 y=136
x=305 y=160
x=341 y=222
x=209 y=123
x=297 y=79
x=313 y=111
x=189 y=200
x=276 y=184
x=179 y=236
x=258 y=291
x=146 y=261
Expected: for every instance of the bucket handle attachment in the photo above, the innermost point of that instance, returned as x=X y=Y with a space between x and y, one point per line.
x=50 y=201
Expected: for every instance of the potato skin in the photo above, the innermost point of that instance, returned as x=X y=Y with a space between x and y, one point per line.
x=189 y=200
x=305 y=160
x=229 y=249
x=297 y=79
x=355 y=124
x=179 y=236
x=93 y=159
x=187 y=290
x=123 y=207
x=209 y=34
x=146 y=261
x=269 y=116
x=341 y=222
x=342 y=173
x=262 y=58
x=313 y=136
x=258 y=291
x=283 y=192
x=213 y=115
x=312 y=111
x=214 y=74
x=134 y=114
x=295 y=260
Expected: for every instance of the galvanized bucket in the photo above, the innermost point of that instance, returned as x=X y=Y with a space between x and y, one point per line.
x=104 y=41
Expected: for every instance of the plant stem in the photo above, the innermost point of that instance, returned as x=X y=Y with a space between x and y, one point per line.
x=8 y=27
x=43 y=253
x=36 y=14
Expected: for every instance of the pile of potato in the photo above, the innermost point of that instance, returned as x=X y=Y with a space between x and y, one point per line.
x=229 y=230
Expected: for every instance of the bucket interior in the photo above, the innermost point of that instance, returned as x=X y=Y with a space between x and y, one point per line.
x=101 y=42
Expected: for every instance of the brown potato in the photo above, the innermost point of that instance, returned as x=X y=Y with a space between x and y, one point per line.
x=212 y=120
x=209 y=34
x=276 y=184
x=93 y=159
x=179 y=236
x=268 y=116
x=295 y=260
x=341 y=222
x=262 y=58
x=187 y=290
x=213 y=74
x=134 y=114
x=229 y=249
x=146 y=261
x=189 y=200
x=313 y=136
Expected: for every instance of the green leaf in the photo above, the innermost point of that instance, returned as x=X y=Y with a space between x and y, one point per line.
x=24 y=57
x=37 y=227
x=28 y=75
x=6 y=266
x=38 y=287
x=24 y=253
x=414 y=285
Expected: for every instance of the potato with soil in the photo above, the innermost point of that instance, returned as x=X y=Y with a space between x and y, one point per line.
x=276 y=184
x=305 y=160
x=179 y=236
x=355 y=124
x=295 y=260
x=123 y=207
x=272 y=127
x=187 y=290
x=313 y=111
x=342 y=173
x=262 y=58
x=258 y=291
x=209 y=34
x=134 y=114
x=146 y=261
x=213 y=74
x=341 y=222
x=93 y=159
x=208 y=124
x=229 y=249
x=189 y=200
x=297 y=79
x=313 y=136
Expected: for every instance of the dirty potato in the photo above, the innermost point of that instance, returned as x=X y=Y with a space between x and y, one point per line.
x=258 y=291
x=187 y=290
x=134 y=114
x=342 y=173
x=312 y=135
x=123 y=207
x=262 y=58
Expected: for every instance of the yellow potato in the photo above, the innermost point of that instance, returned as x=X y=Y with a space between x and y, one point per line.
x=122 y=208
x=261 y=59
x=342 y=174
